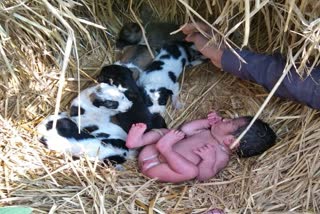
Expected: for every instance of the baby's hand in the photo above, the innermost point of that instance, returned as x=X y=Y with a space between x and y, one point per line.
x=206 y=152
x=213 y=118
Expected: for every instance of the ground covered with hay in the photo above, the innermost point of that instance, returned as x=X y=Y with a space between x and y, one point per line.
x=52 y=49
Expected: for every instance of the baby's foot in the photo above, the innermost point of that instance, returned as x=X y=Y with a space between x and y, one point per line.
x=166 y=142
x=134 y=138
x=214 y=117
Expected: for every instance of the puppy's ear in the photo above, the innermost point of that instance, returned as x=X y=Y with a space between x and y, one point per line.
x=164 y=95
x=44 y=141
x=100 y=78
x=131 y=95
x=165 y=92
x=98 y=102
x=93 y=97
x=135 y=73
x=104 y=74
x=119 y=55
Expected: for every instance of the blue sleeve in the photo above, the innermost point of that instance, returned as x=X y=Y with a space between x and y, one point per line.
x=267 y=69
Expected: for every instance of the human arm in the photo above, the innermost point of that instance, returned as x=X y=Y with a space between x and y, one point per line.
x=267 y=69
x=201 y=42
x=260 y=68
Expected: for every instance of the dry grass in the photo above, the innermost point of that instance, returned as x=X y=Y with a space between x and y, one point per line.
x=42 y=40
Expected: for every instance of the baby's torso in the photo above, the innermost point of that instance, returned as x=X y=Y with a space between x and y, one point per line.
x=150 y=155
x=187 y=145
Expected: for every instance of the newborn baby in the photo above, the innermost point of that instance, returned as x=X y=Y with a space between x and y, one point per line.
x=200 y=149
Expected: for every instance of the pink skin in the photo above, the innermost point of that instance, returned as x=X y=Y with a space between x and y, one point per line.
x=208 y=155
x=214 y=211
x=200 y=150
x=194 y=34
x=214 y=118
x=137 y=138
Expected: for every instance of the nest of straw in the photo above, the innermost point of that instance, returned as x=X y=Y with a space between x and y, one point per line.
x=50 y=50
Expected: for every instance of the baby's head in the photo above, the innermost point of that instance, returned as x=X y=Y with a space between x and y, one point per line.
x=259 y=138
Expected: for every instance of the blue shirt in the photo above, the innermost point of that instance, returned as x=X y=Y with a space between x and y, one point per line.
x=267 y=69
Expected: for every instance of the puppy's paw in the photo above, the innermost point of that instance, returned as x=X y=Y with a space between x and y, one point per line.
x=177 y=104
x=119 y=167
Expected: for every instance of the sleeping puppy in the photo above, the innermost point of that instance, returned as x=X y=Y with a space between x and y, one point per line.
x=65 y=137
x=93 y=108
x=131 y=49
x=157 y=33
x=122 y=77
x=134 y=57
x=160 y=78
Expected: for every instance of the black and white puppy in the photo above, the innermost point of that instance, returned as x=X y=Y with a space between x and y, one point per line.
x=65 y=137
x=135 y=57
x=93 y=108
x=160 y=78
x=121 y=76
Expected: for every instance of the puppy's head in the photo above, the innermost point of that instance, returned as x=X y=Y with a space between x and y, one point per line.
x=111 y=98
x=122 y=77
x=116 y=75
x=194 y=57
x=186 y=51
x=56 y=138
x=156 y=98
x=130 y=34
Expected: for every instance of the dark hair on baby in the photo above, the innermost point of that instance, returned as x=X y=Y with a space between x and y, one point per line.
x=259 y=138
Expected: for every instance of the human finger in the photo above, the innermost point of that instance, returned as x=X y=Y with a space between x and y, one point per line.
x=194 y=27
x=198 y=39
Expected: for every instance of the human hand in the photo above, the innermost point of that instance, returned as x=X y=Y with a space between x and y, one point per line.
x=206 y=152
x=213 y=118
x=194 y=32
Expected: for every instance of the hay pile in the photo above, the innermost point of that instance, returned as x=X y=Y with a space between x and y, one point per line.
x=51 y=49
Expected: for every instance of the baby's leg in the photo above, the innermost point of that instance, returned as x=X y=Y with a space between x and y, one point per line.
x=152 y=167
x=176 y=161
x=148 y=157
x=177 y=168
x=137 y=138
x=163 y=172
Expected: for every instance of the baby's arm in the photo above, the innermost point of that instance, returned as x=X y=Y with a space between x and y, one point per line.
x=195 y=126
x=214 y=158
x=207 y=165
